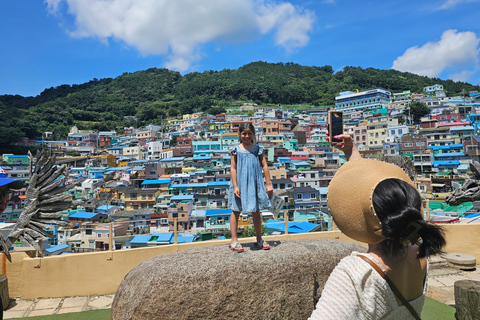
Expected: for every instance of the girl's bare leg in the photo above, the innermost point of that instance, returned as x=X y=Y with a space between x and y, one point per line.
x=257 y=224
x=234 y=225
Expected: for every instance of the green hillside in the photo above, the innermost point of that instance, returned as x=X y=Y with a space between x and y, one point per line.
x=155 y=94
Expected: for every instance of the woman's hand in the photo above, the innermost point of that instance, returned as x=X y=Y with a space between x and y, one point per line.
x=347 y=146
x=236 y=192
x=269 y=190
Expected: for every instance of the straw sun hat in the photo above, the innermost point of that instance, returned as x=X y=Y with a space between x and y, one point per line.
x=350 y=197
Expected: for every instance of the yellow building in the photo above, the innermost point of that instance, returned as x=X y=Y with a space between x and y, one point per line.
x=190 y=116
x=280 y=173
x=376 y=134
x=107 y=160
x=140 y=198
x=133 y=152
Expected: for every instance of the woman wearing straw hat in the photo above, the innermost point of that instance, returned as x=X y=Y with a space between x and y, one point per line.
x=376 y=203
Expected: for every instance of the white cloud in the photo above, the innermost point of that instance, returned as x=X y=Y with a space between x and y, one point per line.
x=456 y=51
x=464 y=75
x=452 y=3
x=177 y=29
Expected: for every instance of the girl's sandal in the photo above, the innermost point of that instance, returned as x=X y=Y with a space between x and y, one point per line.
x=236 y=247
x=262 y=245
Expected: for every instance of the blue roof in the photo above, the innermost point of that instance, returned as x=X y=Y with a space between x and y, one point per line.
x=218 y=183
x=141 y=238
x=83 y=215
x=188 y=185
x=218 y=212
x=164 y=237
x=183 y=238
x=172 y=159
x=446 y=147
x=160 y=181
x=202 y=158
x=452 y=154
x=444 y=163
x=57 y=248
x=293 y=227
x=180 y=198
x=461 y=128
x=301 y=163
x=105 y=207
x=145 y=238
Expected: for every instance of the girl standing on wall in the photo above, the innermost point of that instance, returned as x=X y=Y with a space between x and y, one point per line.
x=248 y=193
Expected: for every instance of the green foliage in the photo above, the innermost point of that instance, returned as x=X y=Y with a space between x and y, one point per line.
x=154 y=94
x=72 y=153
x=416 y=111
x=249 y=231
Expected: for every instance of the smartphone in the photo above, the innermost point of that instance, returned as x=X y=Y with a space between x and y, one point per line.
x=335 y=125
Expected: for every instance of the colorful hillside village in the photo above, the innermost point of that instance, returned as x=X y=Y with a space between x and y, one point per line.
x=159 y=184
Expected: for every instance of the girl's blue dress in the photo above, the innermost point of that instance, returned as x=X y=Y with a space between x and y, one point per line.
x=253 y=195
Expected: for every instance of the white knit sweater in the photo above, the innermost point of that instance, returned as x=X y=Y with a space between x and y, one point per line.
x=355 y=290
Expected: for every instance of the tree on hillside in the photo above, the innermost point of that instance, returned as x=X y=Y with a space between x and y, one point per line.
x=416 y=110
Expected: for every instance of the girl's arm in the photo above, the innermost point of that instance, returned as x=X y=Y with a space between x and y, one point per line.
x=233 y=175
x=268 y=182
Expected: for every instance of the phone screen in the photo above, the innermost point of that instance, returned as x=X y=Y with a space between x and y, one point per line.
x=336 y=123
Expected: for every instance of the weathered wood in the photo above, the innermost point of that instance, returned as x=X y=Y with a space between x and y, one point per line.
x=4 y=296
x=467 y=299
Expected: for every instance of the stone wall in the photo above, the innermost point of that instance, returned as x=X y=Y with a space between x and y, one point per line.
x=215 y=283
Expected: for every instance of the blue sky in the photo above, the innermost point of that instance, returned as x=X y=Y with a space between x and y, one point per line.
x=55 y=42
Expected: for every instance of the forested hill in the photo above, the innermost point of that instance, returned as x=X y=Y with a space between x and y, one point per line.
x=156 y=93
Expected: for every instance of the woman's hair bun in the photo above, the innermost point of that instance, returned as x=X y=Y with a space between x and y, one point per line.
x=397 y=205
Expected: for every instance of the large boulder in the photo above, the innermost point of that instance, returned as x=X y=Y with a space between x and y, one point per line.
x=215 y=283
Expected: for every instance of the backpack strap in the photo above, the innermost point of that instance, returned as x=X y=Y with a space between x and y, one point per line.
x=392 y=286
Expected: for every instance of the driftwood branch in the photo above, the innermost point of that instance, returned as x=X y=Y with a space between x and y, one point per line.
x=47 y=195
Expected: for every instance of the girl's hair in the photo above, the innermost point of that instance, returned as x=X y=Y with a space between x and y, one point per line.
x=398 y=205
x=243 y=126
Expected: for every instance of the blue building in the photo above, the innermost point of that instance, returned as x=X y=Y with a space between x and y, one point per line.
x=348 y=101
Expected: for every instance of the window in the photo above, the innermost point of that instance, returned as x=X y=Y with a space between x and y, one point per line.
x=408 y=144
x=88 y=232
x=312 y=195
x=312 y=175
x=299 y=196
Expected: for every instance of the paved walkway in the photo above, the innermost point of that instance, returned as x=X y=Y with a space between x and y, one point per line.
x=440 y=287
x=442 y=278
x=49 y=306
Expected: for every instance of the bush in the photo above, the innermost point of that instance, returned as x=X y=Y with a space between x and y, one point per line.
x=250 y=231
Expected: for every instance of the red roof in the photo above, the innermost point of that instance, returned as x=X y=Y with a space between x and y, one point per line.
x=299 y=158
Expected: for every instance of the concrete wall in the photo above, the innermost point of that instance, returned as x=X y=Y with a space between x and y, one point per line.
x=100 y=273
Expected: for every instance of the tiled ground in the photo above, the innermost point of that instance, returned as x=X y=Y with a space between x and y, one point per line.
x=49 y=306
x=442 y=278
